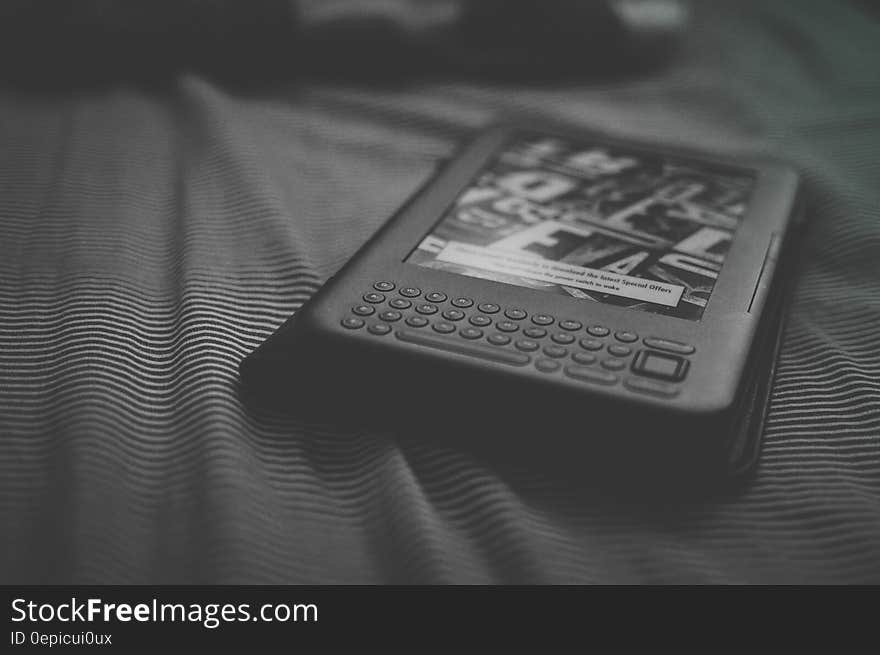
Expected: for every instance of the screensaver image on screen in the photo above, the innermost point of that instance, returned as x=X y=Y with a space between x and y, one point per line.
x=597 y=222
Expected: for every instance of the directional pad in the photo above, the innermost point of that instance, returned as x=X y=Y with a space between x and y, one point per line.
x=660 y=365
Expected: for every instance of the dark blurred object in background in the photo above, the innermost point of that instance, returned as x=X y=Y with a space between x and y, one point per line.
x=495 y=38
x=77 y=40
x=65 y=42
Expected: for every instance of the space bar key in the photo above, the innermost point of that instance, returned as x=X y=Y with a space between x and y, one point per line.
x=490 y=353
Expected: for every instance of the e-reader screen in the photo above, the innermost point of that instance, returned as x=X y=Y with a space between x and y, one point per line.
x=596 y=222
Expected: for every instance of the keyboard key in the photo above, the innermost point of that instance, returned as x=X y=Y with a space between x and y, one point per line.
x=363 y=310
x=490 y=353
x=669 y=345
x=527 y=345
x=471 y=333
x=352 y=323
x=626 y=336
x=400 y=303
x=592 y=375
x=547 y=365
x=379 y=329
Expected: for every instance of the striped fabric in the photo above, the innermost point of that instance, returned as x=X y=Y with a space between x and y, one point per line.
x=151 y=237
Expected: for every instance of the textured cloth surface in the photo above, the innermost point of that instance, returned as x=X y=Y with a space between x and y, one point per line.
x=150 y=237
